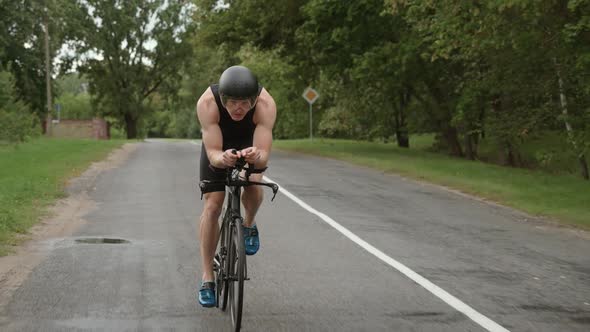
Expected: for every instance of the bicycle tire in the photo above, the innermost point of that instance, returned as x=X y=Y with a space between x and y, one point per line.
x=221 y=278
x=237 y=268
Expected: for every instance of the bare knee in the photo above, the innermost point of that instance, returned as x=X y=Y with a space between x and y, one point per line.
x=213 y=205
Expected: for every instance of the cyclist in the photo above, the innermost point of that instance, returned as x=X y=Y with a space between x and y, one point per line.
x=237 y=114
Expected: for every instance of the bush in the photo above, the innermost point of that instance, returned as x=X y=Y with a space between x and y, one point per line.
x=184 y=124
x=18 y=124
x=75 y=107
x=337 y=124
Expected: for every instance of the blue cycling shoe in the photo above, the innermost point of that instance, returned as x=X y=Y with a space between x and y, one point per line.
x=251 y=240
x=207 y=294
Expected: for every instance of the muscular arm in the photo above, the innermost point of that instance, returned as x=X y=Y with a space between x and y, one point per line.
x=265 y=119
x=208 y=117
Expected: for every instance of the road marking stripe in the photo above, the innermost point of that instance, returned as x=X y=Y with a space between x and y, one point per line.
x=454 y=302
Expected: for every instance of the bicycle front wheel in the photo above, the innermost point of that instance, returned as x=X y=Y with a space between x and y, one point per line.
x=237 y=272
x=223 y=275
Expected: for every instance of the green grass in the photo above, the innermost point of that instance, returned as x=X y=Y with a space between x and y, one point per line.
x=561 y=197
x=548 y=151
x=33 y=175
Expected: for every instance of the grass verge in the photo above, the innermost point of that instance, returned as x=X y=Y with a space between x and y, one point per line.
x=33 y=175
x=565 y=198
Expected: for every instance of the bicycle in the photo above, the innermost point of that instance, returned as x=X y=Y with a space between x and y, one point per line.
x=229 y=263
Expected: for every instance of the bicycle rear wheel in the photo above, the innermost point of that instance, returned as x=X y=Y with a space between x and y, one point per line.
x=237 y=271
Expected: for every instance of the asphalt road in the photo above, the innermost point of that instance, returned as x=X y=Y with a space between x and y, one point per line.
x=520 y=274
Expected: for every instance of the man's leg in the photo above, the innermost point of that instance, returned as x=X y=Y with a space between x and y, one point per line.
x=209 y=231
x=252 y=199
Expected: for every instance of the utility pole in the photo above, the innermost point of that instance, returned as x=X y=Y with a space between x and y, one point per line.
x=47 y=74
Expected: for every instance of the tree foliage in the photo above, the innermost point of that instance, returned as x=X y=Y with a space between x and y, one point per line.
x=22 y=49
x=17 y=122
x=501 y=71
x=129 y=50
x=386 y=68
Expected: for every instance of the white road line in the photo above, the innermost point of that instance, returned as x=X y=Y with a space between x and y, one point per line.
x=454 y=302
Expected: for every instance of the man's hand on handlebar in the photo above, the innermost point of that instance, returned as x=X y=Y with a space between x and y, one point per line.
x=251 y=154
x=230 y=156
x=236 y=160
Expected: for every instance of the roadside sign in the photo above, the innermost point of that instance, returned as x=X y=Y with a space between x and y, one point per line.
x=58 y=109
x=310 y=95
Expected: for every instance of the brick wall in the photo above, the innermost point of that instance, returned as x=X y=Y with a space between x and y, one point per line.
x=95 y=128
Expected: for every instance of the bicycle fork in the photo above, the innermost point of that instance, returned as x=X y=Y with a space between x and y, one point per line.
x=238 y=221
x=222 y=256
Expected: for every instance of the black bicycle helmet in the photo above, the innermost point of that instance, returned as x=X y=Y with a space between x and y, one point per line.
x=238 y=82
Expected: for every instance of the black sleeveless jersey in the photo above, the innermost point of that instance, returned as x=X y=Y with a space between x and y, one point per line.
x=236 y=134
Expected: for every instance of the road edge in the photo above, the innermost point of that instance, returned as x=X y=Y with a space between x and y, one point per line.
x=64 y=217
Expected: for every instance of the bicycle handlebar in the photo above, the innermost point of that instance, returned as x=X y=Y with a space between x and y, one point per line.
x=240 y=183
x=232 y=179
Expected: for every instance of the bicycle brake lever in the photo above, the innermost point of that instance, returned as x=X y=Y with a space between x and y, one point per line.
x=275 y=190
x=202 y=186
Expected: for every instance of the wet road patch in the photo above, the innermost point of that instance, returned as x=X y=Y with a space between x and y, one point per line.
x=101 y=240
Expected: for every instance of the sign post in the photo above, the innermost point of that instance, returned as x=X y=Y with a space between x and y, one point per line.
x=58 y=111
x=310 y=95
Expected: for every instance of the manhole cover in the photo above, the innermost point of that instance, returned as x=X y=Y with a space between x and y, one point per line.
x=101 y=240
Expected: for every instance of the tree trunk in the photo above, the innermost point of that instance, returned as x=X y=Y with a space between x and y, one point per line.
x=469 y=147
x=449 y=133
x=452 y=138
x=403 y=141
x=401 y=131
x=131 y=126
x=584 y=167
x=48 y=75
x=510 y=156
x=568 y=127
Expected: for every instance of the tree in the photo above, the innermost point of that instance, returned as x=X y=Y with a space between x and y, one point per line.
x=361 y=62
x=128 y=51
x=512 y=65
x=18 y=123
x=22 y=48
x=260 y=35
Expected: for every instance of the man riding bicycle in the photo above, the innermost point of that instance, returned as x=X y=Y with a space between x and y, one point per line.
x=236 y=114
